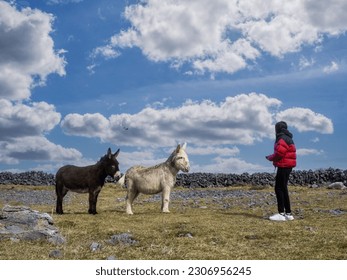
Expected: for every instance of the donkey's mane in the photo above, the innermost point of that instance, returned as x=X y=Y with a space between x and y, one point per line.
x=168 y=161
x=103 y=158
x=157 y=165
x=170 y=158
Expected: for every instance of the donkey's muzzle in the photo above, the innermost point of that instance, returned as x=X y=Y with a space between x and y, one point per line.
x=117 y=176
x=186 y=169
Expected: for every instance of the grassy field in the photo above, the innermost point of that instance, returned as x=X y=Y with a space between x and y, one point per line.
x=205 y=228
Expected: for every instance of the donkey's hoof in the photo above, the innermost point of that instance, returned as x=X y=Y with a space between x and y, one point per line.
x=166 y=211
x=129 y=213
x=92 y=212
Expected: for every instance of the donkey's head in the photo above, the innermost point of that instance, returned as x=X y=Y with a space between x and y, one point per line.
x=111 y=164
x=180 y=158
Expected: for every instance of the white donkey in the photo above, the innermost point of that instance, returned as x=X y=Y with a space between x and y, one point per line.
x=155 y=179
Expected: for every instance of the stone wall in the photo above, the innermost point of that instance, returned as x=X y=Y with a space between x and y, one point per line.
x=202 y=180
x=32 y=178
x=302 y=178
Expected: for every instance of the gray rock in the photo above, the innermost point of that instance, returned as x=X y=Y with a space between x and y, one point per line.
x=337 y=186
x=122 y=239
x=95 y=247
x=23 y=223
x=337 y=212
x=185 y=234
x=55 y=254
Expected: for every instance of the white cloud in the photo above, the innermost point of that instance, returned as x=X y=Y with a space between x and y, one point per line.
x=27 y=57
x=56 y=2
x=229 y=59
x=14 y=85
x=106 y=51
x=88 y=125
x=239 y=120
x=226 y=160
x=36 y=148
x=22 y=130
x=307 y=152
x=304 y=119
x=333 y=67
x=228 y=165
x=242 y=119
x=224 y=35
x=19 y=120
x=223 y=152
x=186 y=31
x=225 y=163
x=305 y=63
x=211 y=129
x=145 y=157
x=27 y=54
x=328 y=16
x=90 y=69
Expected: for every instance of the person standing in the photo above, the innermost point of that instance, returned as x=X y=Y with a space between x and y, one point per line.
x=284 y=159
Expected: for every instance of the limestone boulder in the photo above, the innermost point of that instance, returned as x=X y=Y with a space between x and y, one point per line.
x=23 y=223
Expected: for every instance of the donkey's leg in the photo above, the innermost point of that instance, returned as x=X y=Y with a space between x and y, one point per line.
x=131 y=195
x=165 y=200
x=93 y=198
x=130 y=199
x=61 y=191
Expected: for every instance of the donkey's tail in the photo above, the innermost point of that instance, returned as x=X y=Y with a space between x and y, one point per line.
x=121 y=182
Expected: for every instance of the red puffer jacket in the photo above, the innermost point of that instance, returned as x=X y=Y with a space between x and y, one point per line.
x=284 y=152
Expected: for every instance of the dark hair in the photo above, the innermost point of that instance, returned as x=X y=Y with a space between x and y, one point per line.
x=280 y=126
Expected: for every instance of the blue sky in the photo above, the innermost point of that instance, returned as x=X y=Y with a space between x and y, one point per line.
x=79 y=76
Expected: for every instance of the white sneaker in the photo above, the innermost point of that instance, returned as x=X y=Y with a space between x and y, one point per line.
x=289 y=217
x=278 y=217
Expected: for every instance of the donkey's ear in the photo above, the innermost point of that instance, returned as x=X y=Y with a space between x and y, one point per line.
x=178 y=148
x=109 y=153
x=116 y=153
x=184 y=146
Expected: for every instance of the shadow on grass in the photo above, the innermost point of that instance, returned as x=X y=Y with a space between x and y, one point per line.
x=247 y=215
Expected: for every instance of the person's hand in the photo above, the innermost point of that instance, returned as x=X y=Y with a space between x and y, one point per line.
x=267 y=157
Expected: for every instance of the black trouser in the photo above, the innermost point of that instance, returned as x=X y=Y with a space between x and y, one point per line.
x=281 y=190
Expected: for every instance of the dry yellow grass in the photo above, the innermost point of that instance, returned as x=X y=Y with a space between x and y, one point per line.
x=197 y=229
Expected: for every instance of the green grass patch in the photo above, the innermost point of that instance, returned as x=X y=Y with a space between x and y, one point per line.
x=204 y=228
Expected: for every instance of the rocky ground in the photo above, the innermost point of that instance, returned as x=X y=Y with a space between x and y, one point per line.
x=28 y=197
x=202 y=192
x=318 y=178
